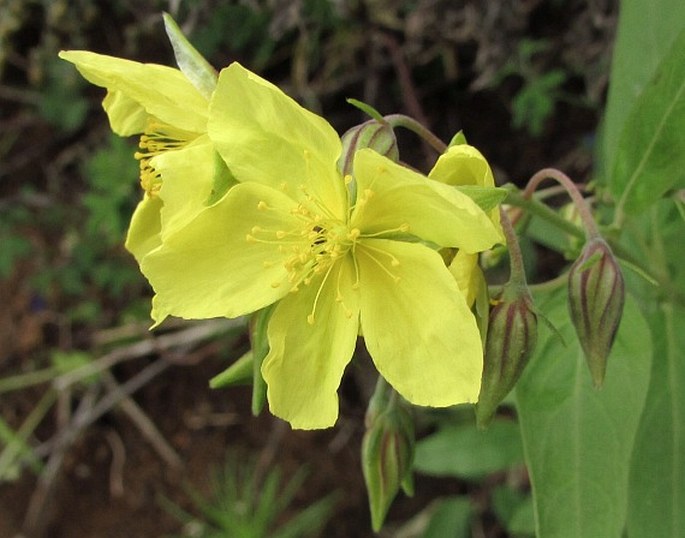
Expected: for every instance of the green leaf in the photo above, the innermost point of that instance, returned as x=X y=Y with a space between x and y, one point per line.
x=578 y=440
x=238 y=373
x=644 y=36
x=657 y=481
x=451 y=518
x=515 y=510
x=191 y=63
x=650 y=158
x=469 y=453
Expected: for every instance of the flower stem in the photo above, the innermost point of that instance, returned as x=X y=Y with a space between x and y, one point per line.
x=573 y=192
x=400 y=120
x=517 y=270
x=537 y=208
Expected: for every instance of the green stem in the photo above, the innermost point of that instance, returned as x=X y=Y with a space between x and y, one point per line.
x=26 y=380
x=537 y=208
x=400 y=120
x=573 y=192
x=18 y=444
x=517 y=270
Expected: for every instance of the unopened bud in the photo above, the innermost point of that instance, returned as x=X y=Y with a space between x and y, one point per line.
x=374 y=134
x=387 y=454
x=512 y=335
x=596 y=294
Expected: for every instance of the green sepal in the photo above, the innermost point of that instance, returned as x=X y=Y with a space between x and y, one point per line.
x=487 y=198
x=223 y=180
x=367 y=109
x=238 y=373
x=260 y=347
x=458 y=139
x=191 y=63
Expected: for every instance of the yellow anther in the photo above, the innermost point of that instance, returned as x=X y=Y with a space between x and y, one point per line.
x=262 y=206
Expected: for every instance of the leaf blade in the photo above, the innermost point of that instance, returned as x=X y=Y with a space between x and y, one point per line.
x=578 y=440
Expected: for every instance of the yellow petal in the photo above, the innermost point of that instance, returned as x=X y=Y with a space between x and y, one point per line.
x=465 y=165
x=209 y=268
x=417 y=327
x=469 y=277
x=266 y=137
x=432 y=211
x=126 y=116
x=306 y=361
x=162 y=91
x=187 y=182
x=462 y=165
x=144 y=232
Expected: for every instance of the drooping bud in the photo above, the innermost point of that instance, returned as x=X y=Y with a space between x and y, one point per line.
x=375 y=134
x=512 y=335
x=387 y=451
x=596 y=293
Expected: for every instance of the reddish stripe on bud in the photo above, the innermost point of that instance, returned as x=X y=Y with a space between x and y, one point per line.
x=512 y=335
x=596 y=293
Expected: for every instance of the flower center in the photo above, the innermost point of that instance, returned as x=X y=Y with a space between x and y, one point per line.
x=311 y=247
x=158 y=138
x=317 y=240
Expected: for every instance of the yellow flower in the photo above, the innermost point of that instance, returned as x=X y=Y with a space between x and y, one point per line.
x=463 y=165
x=290 y=233
x=178 y=165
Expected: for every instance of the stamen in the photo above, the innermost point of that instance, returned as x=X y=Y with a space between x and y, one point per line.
x=157 y=139
x=402 y=228
x=379 y=263
x=310 y=317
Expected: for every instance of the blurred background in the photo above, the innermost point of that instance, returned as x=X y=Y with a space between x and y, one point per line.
x=109 y=430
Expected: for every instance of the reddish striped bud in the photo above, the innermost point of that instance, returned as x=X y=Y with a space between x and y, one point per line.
x=512 y=335
x=374 y=134
x=596 y=294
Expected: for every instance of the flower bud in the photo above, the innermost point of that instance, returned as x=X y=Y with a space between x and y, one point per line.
x=374 y=134
x=512 y=334
x=387 y=454
x=596 y=293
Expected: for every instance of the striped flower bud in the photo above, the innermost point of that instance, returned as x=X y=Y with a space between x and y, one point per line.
x=512 y=334
x=596 y=294
x=374 y=134
x=387 y=451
